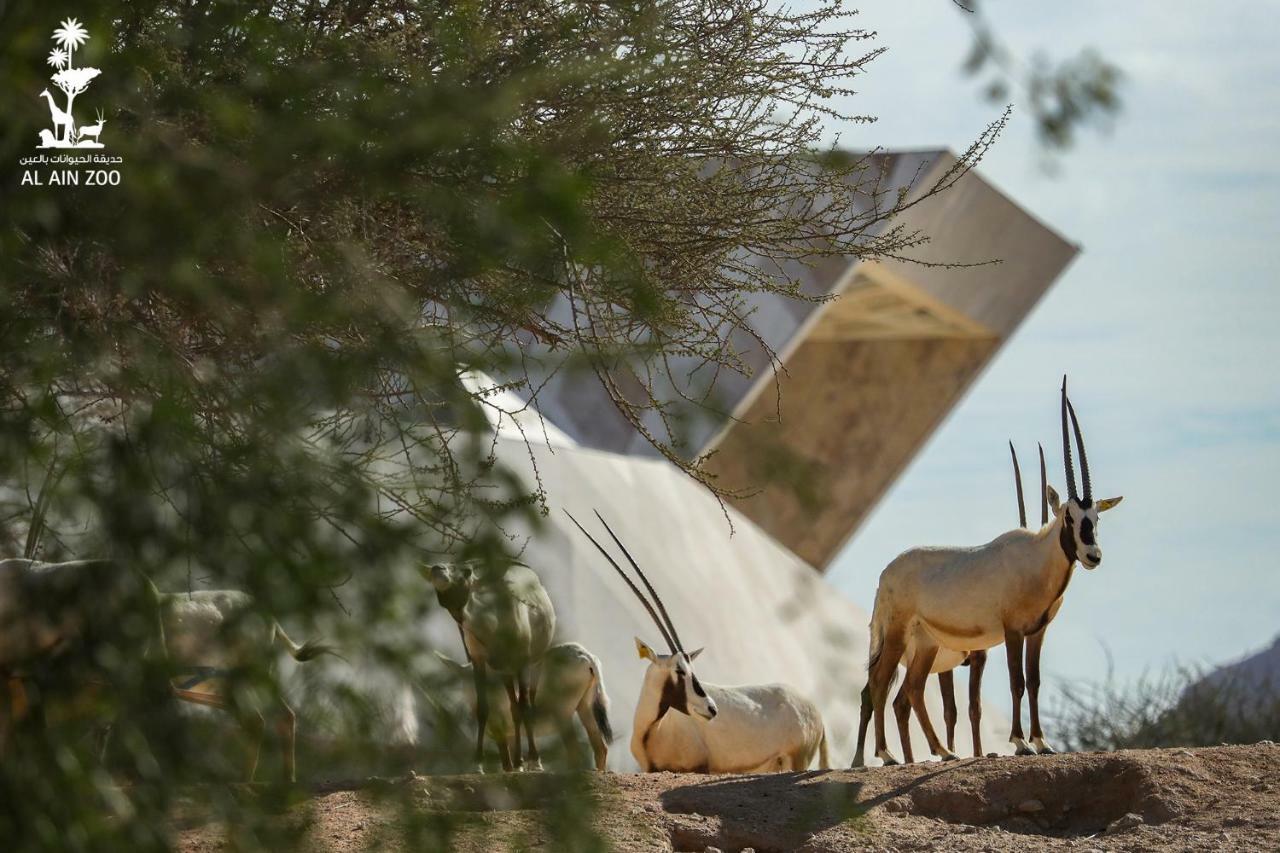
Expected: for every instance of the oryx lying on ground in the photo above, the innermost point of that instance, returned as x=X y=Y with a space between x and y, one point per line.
x=966 y=599
x=756 y=728
x=61 y=623
x=507 y=622
x=213 y=635
x=571 y=682
x=946 y=662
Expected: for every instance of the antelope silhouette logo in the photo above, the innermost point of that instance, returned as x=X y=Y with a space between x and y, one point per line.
x=71 y=82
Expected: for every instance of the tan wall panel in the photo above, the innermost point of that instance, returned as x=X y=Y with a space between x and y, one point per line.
x=854 y=414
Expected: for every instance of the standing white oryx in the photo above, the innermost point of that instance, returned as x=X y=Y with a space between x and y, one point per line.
x=967 y=599
x=947 y=661
x=571 y=683
x=507 y=623
x=756 y=728
x=213 y=635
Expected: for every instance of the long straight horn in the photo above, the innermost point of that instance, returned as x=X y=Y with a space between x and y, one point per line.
x=1084 y=460
x=645 y=580
x=1044 y=489
x=634 y=589
x=1066 y=447
x=1017 y=479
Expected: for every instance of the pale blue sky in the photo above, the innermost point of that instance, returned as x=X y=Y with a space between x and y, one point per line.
x=1166 y=323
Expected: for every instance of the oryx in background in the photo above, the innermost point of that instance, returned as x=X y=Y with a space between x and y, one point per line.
x=967 y=599
x=683 y=725
x=63 y=624
x=507 y=623
x=215 y=635
x=571 y=684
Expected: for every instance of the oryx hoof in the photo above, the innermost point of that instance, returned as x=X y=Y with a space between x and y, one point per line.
x=534 y=766
x=1023 y=749
x=886 y=758
x=948 y=755
x=1043 y=748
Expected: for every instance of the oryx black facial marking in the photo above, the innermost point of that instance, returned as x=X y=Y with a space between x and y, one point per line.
x=1067 y=539
x=673 y=696
x=1086 y=531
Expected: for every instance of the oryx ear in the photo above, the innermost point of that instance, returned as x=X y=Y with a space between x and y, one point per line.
x=693 y=655
x=1055 y=503
x=450 y=663
x=1107 y=503
x=642 y=649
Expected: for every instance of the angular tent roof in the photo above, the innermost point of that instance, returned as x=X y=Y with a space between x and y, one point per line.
x=868 y=376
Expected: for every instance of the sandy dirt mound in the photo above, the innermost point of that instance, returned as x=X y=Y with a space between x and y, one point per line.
x=1171 y=799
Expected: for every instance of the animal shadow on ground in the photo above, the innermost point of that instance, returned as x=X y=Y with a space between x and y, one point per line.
x=774 y=812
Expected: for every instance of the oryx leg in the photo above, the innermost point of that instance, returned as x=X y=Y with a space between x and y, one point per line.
x=977 y=663
x=504 y=753
x=917 y=674
x=947 y=684
x=513 y=699
x=902 y=716
x=599 y=747
x=1034 y=644
x=880 y=676
x=255 y=728
x=10 y=689
x=479 y=672
x=864 y=720
x=529 y=698
x=1017 y=686
x=287 y=731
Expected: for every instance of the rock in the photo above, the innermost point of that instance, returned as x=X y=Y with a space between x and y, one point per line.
x=895 y=806
x=713 y=850
x=1030 y=806
x=993 y=755
x=1125 y=823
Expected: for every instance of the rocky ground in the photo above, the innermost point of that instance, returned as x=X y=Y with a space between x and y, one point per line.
x=1224 y=798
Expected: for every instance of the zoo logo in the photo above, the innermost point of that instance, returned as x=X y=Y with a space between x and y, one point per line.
x=71 y=81
x=81 y=167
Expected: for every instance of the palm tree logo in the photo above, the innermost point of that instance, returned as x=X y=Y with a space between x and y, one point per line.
x=71 y=81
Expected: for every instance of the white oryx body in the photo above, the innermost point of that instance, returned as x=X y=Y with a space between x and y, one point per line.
x=215 y=634
x=971 y=599
x=571 y=683
x=74 y=617
x=757 y=728
x=507 y=623
x=46 y=608
x=682 y=726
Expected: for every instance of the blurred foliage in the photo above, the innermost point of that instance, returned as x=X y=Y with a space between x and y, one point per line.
x=1063 y=95
x=245 y=367
x=1184 y=706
